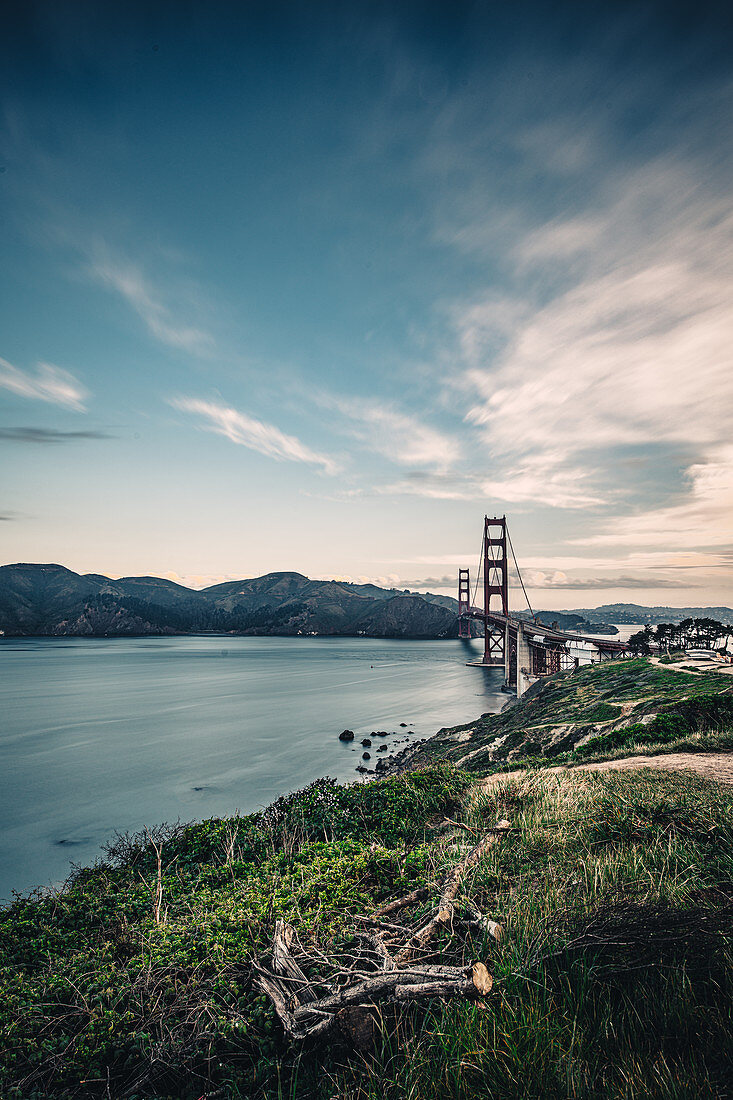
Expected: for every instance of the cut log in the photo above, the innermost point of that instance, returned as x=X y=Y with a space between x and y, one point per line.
x=481 y=978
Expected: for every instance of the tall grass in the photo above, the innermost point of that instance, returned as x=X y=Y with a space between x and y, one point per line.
x=616 y=975
x=614 y=979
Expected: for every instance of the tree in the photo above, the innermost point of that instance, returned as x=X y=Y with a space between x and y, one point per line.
x=639 y=643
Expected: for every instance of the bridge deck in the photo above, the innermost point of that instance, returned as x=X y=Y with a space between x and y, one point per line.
x=546 y=633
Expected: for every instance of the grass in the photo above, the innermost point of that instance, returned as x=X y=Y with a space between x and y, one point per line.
x=613 y=980
x=614 y=701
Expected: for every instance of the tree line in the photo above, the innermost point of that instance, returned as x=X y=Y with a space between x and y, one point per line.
x=700 y=633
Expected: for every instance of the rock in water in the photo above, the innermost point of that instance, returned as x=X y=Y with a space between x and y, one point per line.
x=366 y=756
x=347 y=735
x=366 y=742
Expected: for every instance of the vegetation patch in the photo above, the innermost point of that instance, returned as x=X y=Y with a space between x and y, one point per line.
x=636 y=701
x=614 y=892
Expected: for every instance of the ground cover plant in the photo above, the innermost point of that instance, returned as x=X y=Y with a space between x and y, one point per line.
x=135 y=980
x=621 y=703
x=613 y=978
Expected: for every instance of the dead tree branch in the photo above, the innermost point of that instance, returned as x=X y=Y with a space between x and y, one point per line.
x=374 y=975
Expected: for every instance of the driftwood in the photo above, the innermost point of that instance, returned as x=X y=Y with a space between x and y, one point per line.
x=375 y=975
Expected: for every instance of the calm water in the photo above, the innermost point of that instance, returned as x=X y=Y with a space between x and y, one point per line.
x=98 y=735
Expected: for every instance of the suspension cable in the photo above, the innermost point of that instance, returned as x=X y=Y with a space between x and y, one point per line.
x=478 y=574
x=516 y=566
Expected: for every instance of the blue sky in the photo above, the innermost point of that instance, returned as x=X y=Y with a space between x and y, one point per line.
x=314 y=287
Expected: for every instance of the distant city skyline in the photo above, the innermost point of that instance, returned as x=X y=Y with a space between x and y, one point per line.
x=314 y=288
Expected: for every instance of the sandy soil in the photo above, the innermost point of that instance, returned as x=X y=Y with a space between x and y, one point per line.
x=711 y=765
x=696 y=666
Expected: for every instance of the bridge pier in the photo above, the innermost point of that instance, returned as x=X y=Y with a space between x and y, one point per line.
x=524 y=663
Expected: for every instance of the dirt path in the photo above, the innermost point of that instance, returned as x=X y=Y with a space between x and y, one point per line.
x=710 y=765
x=696 y=666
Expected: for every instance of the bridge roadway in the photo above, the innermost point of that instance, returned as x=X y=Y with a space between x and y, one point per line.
x=547 y=633
x=528 y=651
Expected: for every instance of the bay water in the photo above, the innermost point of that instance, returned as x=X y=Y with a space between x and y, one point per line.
x=99 y=735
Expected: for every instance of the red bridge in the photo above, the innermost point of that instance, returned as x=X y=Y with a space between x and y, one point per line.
x=524 y=648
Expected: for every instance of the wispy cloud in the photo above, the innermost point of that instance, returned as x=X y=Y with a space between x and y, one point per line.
x=254 y=434
x=527 y=482
x=47 y=435
x=608 y=326
x=703 y=518
x=128 y=280
x=50 y=383
x=535 y=579
x=385 y=430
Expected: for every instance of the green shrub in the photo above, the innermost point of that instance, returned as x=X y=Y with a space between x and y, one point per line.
x=700 y=713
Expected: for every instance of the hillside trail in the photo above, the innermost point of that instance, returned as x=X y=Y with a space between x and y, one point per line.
x=717 y=766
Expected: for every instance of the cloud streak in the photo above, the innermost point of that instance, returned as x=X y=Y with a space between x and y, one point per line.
x=50 y=383
x=128 y=280
x=256 y=435
x=538 y=580
x=403 y=439
x=610 y=330
x=47 y=435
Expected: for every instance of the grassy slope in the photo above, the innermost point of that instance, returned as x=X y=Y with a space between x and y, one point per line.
x=614 y=978
x=593 y=714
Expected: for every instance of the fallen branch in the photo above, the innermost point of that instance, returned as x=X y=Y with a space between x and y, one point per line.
x=374 y=975
x=401 y=903
x=451 y=886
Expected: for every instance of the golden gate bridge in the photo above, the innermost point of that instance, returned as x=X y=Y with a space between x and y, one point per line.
x=525 y=648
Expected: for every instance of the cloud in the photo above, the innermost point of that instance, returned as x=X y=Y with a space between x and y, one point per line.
x=527 y=482
x=403 y=439
x=50 y=383
x=200 y=580
x=128 y=280
x=254 y=434
x=432 y=582
x=47 y=435
x=704 y=518
x=535 y=579
x=612 y=331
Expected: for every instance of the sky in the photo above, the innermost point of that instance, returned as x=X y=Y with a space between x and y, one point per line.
x=315 y=287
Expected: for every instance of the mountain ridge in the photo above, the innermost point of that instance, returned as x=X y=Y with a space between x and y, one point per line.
x=47 y=599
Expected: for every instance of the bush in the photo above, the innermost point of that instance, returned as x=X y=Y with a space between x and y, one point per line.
x=701 y=713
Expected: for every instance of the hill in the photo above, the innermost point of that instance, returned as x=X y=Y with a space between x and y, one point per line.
x=620 y=706
x=533 y=937
x=633 y=613
x=53 y=600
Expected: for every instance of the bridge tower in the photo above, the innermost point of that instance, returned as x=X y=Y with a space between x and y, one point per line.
x=496 y=583
x=464 y=604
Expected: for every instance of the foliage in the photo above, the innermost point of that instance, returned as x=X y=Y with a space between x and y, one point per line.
x=702 y=713
x=95 y=988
